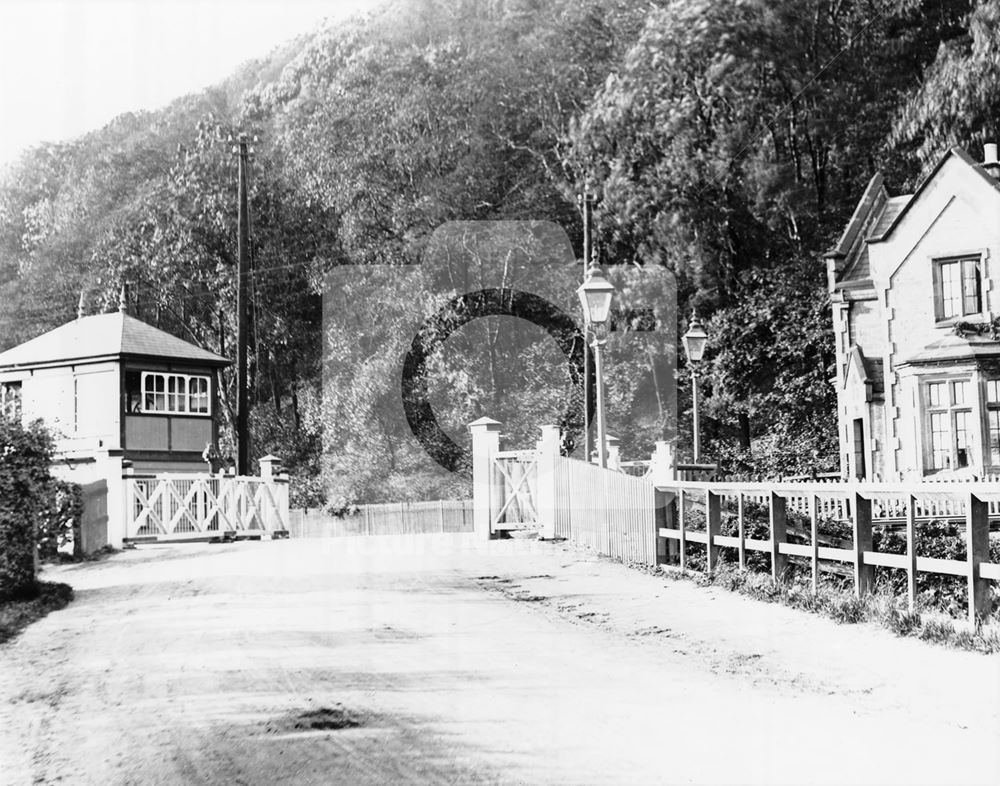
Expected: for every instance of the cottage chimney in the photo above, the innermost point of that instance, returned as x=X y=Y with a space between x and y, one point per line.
x=123 y=301
x=990 y=162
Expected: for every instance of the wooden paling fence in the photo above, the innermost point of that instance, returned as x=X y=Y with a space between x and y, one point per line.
x=863 y=504
x=608 y=511
x=388 y=518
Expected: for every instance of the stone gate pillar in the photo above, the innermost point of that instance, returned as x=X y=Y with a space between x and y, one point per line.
x=548 y=456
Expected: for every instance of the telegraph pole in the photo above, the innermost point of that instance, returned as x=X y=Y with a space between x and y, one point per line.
x=242 y=308
x=587 y=203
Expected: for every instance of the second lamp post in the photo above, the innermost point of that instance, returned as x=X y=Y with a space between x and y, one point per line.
x=595 y=297
x=694 y=347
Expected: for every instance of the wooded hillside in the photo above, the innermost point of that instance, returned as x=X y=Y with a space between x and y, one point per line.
x=728 y=142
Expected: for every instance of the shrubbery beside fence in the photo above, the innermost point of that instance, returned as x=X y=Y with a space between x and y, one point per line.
x=25 y=491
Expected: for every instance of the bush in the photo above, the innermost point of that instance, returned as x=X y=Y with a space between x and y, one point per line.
x=60 y=522
x=16 y=615
x=25 y=488
x=939 y=539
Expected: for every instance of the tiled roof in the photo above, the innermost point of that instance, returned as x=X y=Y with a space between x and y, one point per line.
x=105 y=335
x=876 y=376
x=954 y=348
x=874 y=193
x=877 y=214
x=962 y=156
x=891 y=209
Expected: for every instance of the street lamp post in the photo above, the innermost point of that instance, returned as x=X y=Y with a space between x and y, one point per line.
x=694 y=347
x=595 y=297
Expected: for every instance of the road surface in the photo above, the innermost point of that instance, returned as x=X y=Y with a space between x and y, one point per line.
x=438 y=659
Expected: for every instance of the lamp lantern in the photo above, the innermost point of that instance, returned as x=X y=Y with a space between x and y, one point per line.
x=695 y=340
x=595 y=296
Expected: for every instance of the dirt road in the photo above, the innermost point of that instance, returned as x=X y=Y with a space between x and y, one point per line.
x=439 y=660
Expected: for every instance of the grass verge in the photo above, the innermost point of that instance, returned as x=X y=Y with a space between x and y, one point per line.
x=882 y=607
x=17 y=614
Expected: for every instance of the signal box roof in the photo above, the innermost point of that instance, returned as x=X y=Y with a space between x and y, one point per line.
x=105 y=336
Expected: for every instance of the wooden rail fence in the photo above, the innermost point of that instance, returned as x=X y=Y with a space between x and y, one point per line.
x=639 y=512
x=863 y=505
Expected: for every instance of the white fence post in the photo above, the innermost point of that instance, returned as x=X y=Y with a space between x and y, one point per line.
x=663 y=471
x=548 y=456
x=663 y=464
x=277 y=484
x=614 y=452
x=485 y=445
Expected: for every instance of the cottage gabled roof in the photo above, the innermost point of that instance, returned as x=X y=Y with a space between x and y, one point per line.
x=867 y=371
x=105 y=336
x=874 y=212
x=871 y=200
x=878 y=214
x=958 y=153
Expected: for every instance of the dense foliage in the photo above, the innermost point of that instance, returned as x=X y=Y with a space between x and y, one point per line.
x=727 y=141
x=25 y=495
x=60 y=521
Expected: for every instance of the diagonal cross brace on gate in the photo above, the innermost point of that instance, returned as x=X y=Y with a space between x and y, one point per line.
x=521 y=493
x=191 y=506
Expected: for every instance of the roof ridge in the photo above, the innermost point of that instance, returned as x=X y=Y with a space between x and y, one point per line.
x=102 y=336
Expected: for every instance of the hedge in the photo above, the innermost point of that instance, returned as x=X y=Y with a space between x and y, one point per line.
x=25 y=496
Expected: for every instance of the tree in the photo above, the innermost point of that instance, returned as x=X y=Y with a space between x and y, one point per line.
x=731 y=146
x=958 y=100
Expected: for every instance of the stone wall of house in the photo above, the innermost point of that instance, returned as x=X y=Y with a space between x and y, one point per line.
x=956 y=214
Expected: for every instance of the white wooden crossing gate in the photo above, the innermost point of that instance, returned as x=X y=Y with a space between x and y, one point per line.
x=197 y=507
x=514 y=503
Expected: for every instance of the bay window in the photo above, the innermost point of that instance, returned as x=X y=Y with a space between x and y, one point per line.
x=949 y=425
x=993 y=420
x=175 y=394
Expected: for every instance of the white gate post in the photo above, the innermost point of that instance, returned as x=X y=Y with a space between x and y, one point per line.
x=662 y=471
x=663 y=464
x=269 y=466
x=274 y=521
x=614 y=452
x=548 y=456
x=485 y=445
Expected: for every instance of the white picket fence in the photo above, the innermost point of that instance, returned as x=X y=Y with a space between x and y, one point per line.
x=385 y=518
x=610 y=512
x=197 y=506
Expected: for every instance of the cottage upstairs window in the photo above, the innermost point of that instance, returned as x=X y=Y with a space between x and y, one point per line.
x=957 y=288
x=174 y=394
x=10 y=400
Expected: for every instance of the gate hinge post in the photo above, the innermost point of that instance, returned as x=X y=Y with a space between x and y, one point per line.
x=485 y=445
